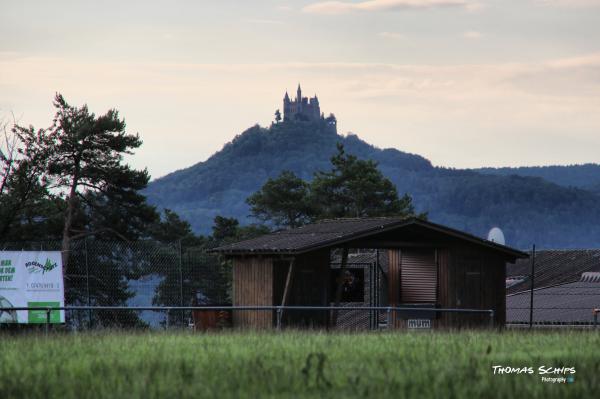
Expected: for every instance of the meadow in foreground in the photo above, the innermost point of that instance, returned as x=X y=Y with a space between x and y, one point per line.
x=297 y=364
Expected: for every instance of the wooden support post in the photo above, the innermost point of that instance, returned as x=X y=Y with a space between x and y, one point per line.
x=532 y=287
x=340 y=286
x=287 y=288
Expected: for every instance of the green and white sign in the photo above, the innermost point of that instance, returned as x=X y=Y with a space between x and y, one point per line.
x=31 y=279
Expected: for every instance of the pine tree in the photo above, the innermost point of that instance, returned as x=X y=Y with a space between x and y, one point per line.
x=282 y=201
x=352 y=188
x=87 y=157
x=356 y=188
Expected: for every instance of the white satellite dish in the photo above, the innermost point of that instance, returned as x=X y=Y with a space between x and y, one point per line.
x=496 y=235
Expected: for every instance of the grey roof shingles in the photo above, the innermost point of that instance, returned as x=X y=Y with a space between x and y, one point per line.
x=554 y=267
x=565 y=303
x=559 y=295
x=337 y=231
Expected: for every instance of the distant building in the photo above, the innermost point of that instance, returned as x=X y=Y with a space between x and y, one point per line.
x=302 y=108
x=568 y=303
x=552 y=267
x=566 y=288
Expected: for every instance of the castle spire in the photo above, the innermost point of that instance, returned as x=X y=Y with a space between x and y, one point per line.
x=302 y=108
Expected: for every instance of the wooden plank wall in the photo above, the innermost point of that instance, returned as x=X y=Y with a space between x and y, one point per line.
x=252 y=286
x=444 y=263
x=489 y=293
x=499 y=304
x=459 y=267
x=394 y=262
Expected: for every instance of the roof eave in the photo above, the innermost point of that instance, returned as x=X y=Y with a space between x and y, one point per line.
x=323 y=244
x=513 y=253
x=469 y=237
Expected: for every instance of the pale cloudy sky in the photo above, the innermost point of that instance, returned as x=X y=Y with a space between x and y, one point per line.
x=464 y=83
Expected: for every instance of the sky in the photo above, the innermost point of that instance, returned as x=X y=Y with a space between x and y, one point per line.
x=465 y=83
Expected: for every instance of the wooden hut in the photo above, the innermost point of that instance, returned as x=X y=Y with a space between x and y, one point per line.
x=428 y=265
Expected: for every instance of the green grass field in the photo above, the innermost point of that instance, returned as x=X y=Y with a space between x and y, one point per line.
x=294 y=365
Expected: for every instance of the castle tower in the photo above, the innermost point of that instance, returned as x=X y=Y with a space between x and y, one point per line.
x=301 y=108
x=299 y=100
x=316 y=109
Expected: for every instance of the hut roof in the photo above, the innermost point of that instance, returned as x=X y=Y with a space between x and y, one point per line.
x=336 y=232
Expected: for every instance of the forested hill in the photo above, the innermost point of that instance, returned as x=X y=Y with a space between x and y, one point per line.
x=586 y=176
x=528 y=209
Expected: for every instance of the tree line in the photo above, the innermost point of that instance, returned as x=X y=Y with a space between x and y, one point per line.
x=352 y=188
x=70 y=181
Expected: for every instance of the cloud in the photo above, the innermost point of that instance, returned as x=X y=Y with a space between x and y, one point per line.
x=477 y=114
x=341 y=7
x=472 y=35
x=264 y=21
x=574 y=78
x=569 y=3
x=392 y=35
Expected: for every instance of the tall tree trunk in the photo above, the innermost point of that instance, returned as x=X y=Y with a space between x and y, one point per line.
x=340 y=286
x=66 y=238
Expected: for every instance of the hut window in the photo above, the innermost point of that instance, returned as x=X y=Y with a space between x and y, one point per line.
x=418 y=276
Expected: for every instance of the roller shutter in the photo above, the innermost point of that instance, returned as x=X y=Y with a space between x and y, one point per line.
x=418 y=276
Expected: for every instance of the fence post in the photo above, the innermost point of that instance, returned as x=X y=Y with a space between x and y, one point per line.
x=167 y=321
x=279 y=313
x=596 y=311
x=532 y=287
x=389 y=317
x=181 y=285
x=491 y=319
x=47 y=320
x=87 y=282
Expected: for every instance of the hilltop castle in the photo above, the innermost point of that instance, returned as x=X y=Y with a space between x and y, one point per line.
x=302 y=108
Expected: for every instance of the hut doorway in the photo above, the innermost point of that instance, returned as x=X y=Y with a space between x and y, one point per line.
x=364 y=284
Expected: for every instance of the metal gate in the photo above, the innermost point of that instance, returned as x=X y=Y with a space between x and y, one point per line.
x=371 y=269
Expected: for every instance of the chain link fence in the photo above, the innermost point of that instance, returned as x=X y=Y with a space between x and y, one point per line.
x=136 y=274
x=154 y=274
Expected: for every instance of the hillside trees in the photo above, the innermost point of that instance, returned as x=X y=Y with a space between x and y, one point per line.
x=70 y=181
x=284 y=201
x=224 y=228
x=356 y=188
x=204 y=279
x=24 y=155
x=352 y=188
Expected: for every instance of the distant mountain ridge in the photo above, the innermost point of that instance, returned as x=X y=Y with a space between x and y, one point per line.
x=528 y=209
x=585 y=176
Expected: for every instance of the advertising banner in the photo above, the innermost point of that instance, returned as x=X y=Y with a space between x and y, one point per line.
x=29 y=279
